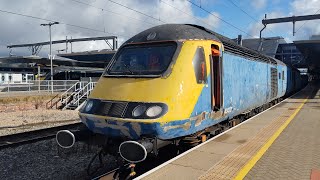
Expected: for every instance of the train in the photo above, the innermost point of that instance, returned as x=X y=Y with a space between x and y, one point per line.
x=176 y=82
x=74 y=73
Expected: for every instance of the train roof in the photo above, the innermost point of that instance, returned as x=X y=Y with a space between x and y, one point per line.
x=176 y=32
x=232 y=47
x=280 y=62
x=171 y=32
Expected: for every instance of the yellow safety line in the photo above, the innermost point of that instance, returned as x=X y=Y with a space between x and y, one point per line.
x=245 y=170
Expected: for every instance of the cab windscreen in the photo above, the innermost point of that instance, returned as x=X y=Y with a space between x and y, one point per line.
x=147 y=59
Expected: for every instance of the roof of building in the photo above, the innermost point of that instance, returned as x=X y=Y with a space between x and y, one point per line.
x=104 y=55
x=267 y=46
x=60 y=61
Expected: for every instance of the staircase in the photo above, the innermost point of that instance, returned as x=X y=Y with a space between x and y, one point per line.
x=73 y=106
x=73 y=98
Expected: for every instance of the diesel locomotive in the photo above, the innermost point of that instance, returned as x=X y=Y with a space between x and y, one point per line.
x=175 y=81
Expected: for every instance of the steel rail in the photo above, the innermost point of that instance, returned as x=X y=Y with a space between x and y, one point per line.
x=18 y=139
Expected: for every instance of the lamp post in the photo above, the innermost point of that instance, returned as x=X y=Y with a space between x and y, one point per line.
x=51 y=69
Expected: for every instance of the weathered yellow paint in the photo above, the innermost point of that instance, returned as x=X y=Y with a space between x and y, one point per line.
x=179 y=90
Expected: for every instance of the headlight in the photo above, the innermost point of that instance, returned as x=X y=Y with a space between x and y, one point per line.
x=89 y=105
x=139 y=110
x=154 y=111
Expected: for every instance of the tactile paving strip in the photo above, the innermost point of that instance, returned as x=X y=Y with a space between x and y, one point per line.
x=231 y=151
x=229 y=166
x=295 y=154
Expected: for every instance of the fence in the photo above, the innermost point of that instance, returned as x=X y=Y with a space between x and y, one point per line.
x=37 y=85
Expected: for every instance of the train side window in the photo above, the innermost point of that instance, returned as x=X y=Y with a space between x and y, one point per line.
x=279 y=75
x=75 y=75
x=282 y=75
x=59 y=76
x=199 y=65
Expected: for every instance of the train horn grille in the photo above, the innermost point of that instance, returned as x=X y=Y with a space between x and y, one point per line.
x=112 y=109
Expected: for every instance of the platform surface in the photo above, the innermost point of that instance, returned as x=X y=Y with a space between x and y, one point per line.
x=280 y=143
x=296 y=152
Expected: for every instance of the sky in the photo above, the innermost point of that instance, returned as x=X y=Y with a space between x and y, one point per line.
x=21 y=19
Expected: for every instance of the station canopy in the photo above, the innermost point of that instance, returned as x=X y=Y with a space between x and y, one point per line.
x=57 y=61
x=311 y=52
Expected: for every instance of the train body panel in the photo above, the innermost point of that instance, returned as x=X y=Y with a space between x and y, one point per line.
x=245 y=84
x=203 y=85
x=290 y=81
x=182 y=97
x=294 y=81
x=282 y=83
x=242 y=91
x=181 y=89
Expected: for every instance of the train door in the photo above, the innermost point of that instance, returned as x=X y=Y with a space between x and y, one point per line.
x=283 y=83
x=216 y=78
x=280 y=84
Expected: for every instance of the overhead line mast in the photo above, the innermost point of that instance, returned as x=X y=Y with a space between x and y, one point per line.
x=292 y=19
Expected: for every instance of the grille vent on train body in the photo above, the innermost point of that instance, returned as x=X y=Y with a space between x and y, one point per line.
x=113 y=109
x=231 y=47
x=274 y=83
x=247 y=53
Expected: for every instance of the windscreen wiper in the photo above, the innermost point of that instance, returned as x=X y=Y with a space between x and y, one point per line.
x=127 y=67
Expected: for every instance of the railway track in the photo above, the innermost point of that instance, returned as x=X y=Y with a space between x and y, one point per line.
x=18 y=139
x=165 y=154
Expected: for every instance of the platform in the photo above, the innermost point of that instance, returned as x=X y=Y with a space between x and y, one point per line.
x=283 y=142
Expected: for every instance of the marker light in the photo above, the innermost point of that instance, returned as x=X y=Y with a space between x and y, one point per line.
x=89 y=106
x=139 y=110
x=154 y=111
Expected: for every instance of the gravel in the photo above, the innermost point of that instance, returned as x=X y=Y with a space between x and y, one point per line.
x=45 y=160
x=21 y=121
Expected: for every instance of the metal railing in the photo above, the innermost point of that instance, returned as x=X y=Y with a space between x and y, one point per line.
x=72 y=97
x=65 y=97
x=80 y=94
x=53 y=102
x=37 y=86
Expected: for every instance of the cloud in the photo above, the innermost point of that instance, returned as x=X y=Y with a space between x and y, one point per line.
x=306 y=7
x=102 y=18
x=304 y=29
x=258 y=4
x=254 y=28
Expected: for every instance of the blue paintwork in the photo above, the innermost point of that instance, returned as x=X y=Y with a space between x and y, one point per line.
x=180 y=127
x=294 y=80
x=289 y=81
x=282 y=83
x=246 y=85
